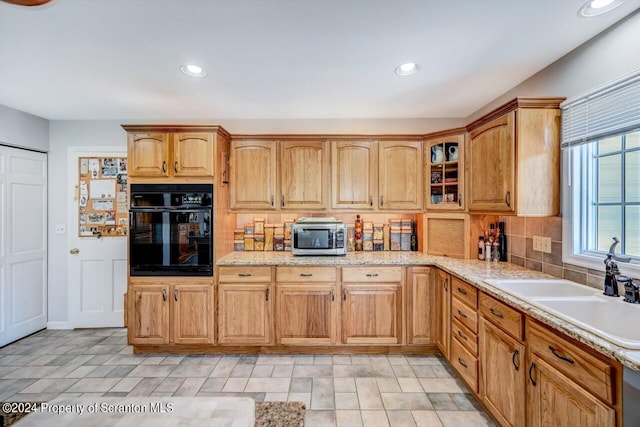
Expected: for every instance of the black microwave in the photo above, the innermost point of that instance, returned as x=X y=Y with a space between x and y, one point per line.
x=171 y=230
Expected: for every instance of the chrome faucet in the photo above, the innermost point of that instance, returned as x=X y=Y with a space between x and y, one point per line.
x=611 y=271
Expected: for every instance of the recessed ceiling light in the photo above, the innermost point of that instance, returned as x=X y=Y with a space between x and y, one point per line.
x=598 y=7
x=407 y=69
x=192 y=70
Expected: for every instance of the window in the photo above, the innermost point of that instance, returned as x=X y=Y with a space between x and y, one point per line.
x=601 y=174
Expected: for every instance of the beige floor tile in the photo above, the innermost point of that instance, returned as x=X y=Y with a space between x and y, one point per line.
x=235 y=385
x=152 y=360
x=213 y=384
x=169 y=385
x=145 y=387
x=268 y=385
x=463 y=419
x=409 y=385
x=282 y=371
x=192 y=371
x=342 y=360
x=426 y=418
x=344 y=385
x=397 y=359
x=368 y=394
x=322 y=394
x=423 y=360
x=32 y=372
x=301 y=397
x=312 y=371
x=374 y=419
x=242 y=370
x=125 y=385
x=263 y=371
x=406 y=401
x=348 y=418
x=275 y=360
x=300 y=385
x=276 y=397
x=388 y=385
x=400 y=419
x=49 y=385
x=425 y=371
x=322 y=360
x=320 y=419
x=303 y=360
x=441 y=385
x=405 y=371
x=93 y=385
x=151 y=371
x=80 y=372
x=358 y=371
x=347 y=401
x=190 y=387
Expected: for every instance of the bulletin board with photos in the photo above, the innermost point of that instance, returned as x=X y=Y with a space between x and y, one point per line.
x=102 y=197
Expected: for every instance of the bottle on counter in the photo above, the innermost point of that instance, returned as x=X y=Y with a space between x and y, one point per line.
x=502 y=242
x=414 y=237
x=487 y=250
x=358 y=233
x=481 y=248
x=495 y=254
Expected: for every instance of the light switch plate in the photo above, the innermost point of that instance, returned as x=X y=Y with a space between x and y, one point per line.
x=542 y=244
x=61 y=229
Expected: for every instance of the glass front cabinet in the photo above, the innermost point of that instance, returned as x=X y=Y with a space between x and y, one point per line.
x=444 y=157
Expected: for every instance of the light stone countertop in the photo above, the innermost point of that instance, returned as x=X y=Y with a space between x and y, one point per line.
x=472 y=271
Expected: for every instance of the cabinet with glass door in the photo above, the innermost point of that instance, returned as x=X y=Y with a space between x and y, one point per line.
x=445 y=177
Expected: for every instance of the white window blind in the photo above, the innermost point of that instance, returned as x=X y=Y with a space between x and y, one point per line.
x=611 y=109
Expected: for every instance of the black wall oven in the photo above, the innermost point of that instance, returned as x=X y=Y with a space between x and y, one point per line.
x=171 y=230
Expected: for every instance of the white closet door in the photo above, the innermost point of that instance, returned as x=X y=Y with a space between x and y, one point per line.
x=23 y=251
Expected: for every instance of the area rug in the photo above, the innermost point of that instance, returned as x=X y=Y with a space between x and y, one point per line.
x=280 y=414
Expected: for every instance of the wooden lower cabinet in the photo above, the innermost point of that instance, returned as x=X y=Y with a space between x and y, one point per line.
x=372 y=313
x=167 y=313
x=443 y=311
x=502 y=376
x=421 y=310
x=555 y=400
x=245 y=313
x=307 y=314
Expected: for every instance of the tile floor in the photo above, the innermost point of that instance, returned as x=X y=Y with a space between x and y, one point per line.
x=337 y=390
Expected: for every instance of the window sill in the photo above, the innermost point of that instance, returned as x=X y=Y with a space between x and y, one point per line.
x=631 y=269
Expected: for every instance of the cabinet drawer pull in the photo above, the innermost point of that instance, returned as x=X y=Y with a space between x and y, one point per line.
x=244 y=274
x=164 y=166
x=460 y=361
x=306 y=274
x=445 y=283
x=372 y=274
x=507 y=199
x=381 y=201
x=344 y=295
x=463 y=336
x=175 y=167
x=561 y=357
x=516 y=353
x=459 y=199
x=531 y=368
x=371 y=201
x=175 y=294
x=333 y=295
x=462 y=314
x=496 y=313
x=164 y=295
x=462 y=291
x=282 y=200
x=267 y=295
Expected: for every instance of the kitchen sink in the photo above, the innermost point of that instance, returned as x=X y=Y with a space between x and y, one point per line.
x=543 y=288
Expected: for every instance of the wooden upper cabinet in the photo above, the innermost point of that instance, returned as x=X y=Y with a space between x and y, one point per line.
x=253 y=175
x=491 y=166
x=444 y=173
x=148 y=154
x=514 y=159
x=354 y=175
x=304 y=167
x=400 y=175
x=193 y=154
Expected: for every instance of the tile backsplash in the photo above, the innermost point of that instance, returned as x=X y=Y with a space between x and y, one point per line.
x=520 y=232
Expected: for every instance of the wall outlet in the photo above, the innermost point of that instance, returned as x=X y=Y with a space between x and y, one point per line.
x=61 y=229
x=542 y=244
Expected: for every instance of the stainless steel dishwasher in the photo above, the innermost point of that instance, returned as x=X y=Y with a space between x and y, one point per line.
x=630 y=397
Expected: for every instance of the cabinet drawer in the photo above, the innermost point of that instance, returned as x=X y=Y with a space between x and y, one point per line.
x=465 y=315
x=465 y=363
x=508 y=319
x=371 y=274
x=465 y=336
x=305 y=274
x=464 y=292
x=591 y=372
x=244 y=274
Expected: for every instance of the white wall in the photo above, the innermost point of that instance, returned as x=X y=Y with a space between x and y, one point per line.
x=606 y=57
x=23 y=130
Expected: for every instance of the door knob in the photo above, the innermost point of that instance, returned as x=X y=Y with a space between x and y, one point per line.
x=74 y=251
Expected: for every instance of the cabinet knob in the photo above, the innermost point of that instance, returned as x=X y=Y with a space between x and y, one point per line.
x=74 y=251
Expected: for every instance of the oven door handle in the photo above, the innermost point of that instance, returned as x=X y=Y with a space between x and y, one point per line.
x=156 y=210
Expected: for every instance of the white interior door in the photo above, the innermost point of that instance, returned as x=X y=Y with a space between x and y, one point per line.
x=23 y=243
x=97 y=274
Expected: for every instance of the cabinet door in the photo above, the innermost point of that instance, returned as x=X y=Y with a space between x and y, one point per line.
x=491 y=166
x=244 y=313
x=444 y=176
x=192 y=314
x=306 y=314
x=193 y=154
x=148 y=319
x=148 y=154
x=371 y=314
x=555 y=400
x=354 y=174
x=502 y=375
x=400 y=175
x=443 y=315
x=253 y=175
x=304 y=167
x=421 y=306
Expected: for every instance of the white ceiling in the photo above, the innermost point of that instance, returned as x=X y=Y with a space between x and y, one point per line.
x=279 y=59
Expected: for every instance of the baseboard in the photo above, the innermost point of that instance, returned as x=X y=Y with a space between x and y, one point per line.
x=58 y=325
